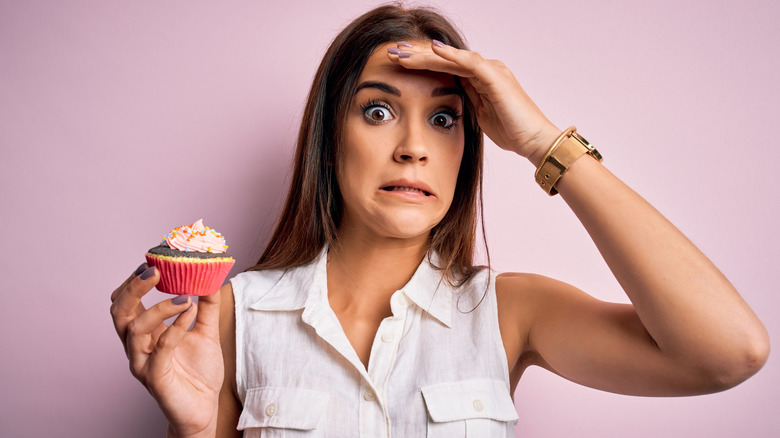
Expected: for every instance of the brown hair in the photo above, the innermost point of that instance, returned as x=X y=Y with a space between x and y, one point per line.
x=313 y=208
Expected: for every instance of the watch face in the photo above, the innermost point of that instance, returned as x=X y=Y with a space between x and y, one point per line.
x=581 y=139
x=591 y=150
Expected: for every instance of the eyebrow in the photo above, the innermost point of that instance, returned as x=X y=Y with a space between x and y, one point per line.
x=387 y=88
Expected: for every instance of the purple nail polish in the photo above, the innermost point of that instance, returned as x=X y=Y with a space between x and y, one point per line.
x=393 y=51
x=405 y=55
x=148 y=273
x=438 y=43
x=141 y=268
x=404 y=44
x=181 y=299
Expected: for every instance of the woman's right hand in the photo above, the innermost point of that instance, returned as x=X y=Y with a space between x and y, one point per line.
x=183 y=370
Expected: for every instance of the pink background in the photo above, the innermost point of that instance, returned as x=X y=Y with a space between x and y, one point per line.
x=120 y=120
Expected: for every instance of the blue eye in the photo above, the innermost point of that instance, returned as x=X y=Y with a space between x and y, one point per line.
x=376 y=112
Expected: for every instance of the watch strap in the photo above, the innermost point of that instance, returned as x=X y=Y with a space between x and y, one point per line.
x=562 y=155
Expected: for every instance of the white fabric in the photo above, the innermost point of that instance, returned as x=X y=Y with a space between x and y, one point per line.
x=437 y=368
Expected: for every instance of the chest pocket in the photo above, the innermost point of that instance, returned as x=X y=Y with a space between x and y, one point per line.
x=469 y=408
x=283 y=412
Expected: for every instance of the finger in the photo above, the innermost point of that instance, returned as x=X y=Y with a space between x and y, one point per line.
x=147 y=322
x=420 y=56
x=140 y=308
x=427 y=60
x=169 y=340
x=466 y=59
x=486 y=74
x=472 y=94
x=128 y=302
x=141 y=339
x=208 y=313
x=438 y=56
x=141 y=268
x=128 y=297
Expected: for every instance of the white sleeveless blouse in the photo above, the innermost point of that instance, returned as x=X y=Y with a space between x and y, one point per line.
x=437 y=368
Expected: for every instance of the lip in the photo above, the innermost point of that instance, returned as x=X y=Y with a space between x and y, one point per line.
x=407 y=188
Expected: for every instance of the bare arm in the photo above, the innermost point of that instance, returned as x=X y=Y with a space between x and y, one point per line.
x=688 y=330
x=181 y=368
x=229 y=404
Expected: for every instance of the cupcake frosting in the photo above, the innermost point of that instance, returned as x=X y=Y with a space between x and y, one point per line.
x=196 y=238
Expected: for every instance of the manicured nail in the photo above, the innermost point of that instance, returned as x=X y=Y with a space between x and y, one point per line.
x=181 y=299
x=404 y=44
x=393 y=51
x=141 y=268
x=405 y=55
x=148 y=273
x=438 y=43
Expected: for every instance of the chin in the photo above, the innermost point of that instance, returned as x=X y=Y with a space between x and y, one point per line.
x=406 y=226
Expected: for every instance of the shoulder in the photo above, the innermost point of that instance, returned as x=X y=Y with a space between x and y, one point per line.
x=517 y=297
x=516 y=288
x=527 y=299
x=533 y=290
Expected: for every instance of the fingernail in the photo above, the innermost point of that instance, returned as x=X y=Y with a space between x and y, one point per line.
x=141 y=268
x=394 y=51
x=181 y=299
x=147 y=273
x=405 y=55
x=438 y=43
x=404 y=44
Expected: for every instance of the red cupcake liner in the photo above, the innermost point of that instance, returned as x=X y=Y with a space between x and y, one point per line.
x=190 y=278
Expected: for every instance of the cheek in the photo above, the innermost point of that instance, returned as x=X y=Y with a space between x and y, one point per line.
x=351 y=172
x=456 y=162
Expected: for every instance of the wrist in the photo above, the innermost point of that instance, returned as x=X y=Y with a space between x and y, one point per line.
x=209 y=432
x=564 y=151
x=541 y=144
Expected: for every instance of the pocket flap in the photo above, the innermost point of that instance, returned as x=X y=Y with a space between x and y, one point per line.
x=285 y=408
x=467 y=399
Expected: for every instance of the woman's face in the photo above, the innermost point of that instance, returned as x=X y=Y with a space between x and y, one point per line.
x=402 y=147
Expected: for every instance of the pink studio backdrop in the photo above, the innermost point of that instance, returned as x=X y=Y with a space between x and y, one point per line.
x=119 y=120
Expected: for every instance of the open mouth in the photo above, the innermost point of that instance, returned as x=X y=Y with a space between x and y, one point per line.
x=405 y=189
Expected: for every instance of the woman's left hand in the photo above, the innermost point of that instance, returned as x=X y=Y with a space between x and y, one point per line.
x=504 y=111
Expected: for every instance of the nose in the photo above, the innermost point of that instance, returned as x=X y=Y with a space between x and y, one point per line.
x=412 y=145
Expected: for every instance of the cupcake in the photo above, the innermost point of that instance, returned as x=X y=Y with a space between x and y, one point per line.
x=191 y=260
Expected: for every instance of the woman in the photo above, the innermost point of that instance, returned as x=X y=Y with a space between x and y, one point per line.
x=366 y=316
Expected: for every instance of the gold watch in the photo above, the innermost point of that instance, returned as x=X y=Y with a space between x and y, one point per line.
x=562 y=154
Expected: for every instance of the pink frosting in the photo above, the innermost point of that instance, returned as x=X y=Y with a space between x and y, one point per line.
x=196 y=237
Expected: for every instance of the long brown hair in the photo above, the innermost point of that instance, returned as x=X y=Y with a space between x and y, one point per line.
x=313 y=208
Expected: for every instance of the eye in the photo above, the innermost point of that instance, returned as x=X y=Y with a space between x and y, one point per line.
x=445 y=119
x=442 y=120
x=376 y=112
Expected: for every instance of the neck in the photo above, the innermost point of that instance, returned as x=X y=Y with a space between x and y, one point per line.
x=365 y=272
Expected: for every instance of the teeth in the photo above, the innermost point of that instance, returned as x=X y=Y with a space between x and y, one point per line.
x=406 y=189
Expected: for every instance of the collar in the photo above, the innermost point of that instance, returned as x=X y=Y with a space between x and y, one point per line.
x=306 y=286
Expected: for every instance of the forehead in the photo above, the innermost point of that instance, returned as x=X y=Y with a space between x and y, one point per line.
x=380 y=68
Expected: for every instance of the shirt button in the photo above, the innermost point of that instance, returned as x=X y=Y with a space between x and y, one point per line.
x=271 y=409
x=369 y=396
x=387 y=337
x=478 y=405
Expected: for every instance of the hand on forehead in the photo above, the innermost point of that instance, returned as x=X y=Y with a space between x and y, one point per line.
x=382 y=64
